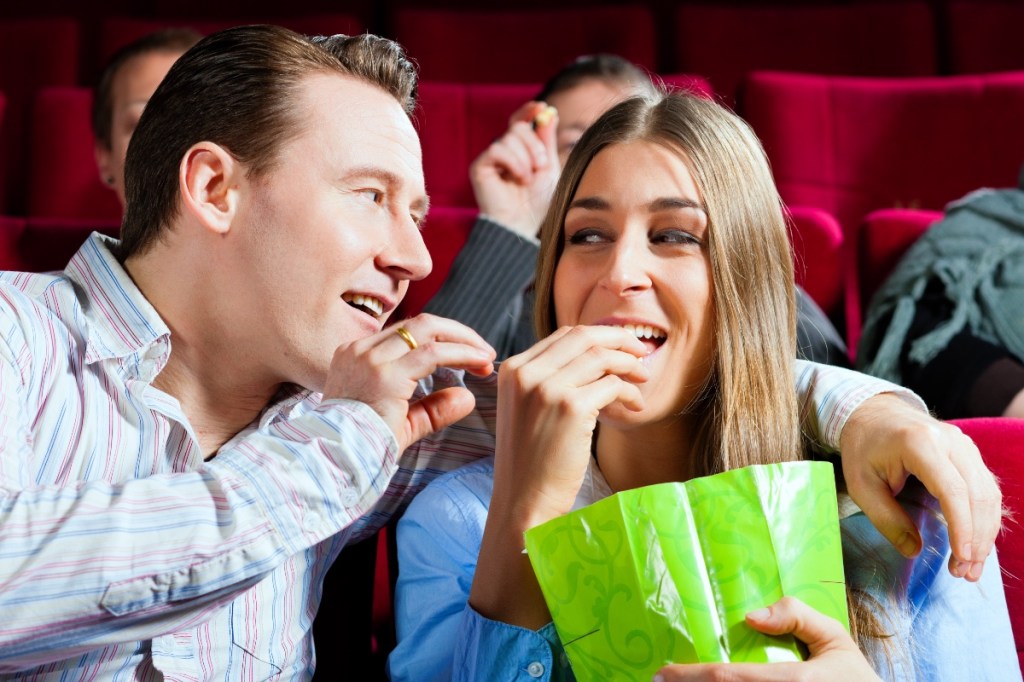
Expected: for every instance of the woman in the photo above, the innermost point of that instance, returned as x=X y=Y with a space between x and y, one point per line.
x=666 y=269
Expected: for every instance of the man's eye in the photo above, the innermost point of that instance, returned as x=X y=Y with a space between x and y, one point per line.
x=374 y=195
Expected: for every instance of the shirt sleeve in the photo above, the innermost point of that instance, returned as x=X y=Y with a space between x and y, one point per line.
x=486 y=285
x=93 y=563
x=829 y=395
x=440 y=636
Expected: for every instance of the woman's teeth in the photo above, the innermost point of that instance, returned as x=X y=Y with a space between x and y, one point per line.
x=369 y=304
x=643 y=331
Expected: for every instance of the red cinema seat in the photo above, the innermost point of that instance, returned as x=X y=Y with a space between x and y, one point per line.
x=11 y=229
x=881 y=242
x=723 y=43
x=63 y=179
x=817 y=243
x=34 y=53
x=854 y=145
x=1001 y=442
x=445 y=232
x=520 y=46
x=48 y=244
x=116 y=32
x=985 y=36
x=456 y=122
x=686 y=81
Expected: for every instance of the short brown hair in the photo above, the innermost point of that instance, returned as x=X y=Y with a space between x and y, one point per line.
x=237 y=88
x=168 y=40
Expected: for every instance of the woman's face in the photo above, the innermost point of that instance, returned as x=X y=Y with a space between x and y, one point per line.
x=579 y=106
x=635 y=255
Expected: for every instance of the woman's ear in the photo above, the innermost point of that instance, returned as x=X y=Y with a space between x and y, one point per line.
x=209 y=182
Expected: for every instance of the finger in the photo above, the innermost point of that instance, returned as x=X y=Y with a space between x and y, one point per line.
x=511 y=158
x=427 y=357
x=876 y=500
x=986 y=508
x=572 y=341
x=548 y=135
x=427 y=328
x=790 y=615
x=532 y=144
x=597 y=362
x=438 y=410
x=527 y=112
x=735 y=672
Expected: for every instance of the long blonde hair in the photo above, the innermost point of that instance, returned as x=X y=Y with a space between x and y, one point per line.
x=747 y=411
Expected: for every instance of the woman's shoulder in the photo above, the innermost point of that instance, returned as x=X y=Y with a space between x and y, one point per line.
x=461 y=494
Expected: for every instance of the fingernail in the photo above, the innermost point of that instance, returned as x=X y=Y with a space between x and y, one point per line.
x=759 y=614
x=657 y=678
x=908 y=544
x=960 y=569
x=966 y=552
x=976 y=570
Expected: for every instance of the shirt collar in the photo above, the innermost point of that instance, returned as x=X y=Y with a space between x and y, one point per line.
x=121 y=322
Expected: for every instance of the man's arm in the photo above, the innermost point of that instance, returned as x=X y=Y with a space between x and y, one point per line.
x=886 y=435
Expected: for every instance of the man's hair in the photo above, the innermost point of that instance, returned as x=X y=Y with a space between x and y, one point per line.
x=607 y=68
x=169 y=40
x=238 y=89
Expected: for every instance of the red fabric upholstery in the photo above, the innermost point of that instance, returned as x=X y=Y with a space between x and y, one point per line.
x=116 y=32
x=456 y=122
x=445 y=232
x=48 y=244
x=11 y=229
x=520 y=46
x=1001 y=442
x=853 y=145
x=34 y=53
x=817 y=254
x=985 y=36
x=688 y=81
x=63 y=179
x=724 y=43
x=881 y=242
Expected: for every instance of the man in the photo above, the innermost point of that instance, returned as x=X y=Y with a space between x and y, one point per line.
x=124 y=88
x=197 y=418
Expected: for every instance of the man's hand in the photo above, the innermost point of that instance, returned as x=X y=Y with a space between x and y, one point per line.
x=382 y=371
x=834 y=655
x=514 y=178
x=884 y=442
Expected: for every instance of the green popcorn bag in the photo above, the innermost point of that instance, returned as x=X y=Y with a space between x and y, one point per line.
x=666 y=573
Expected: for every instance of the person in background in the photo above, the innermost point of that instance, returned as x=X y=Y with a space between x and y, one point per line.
x=488 y=286
x=949 y=321
x=666 y=311
x=126 y=84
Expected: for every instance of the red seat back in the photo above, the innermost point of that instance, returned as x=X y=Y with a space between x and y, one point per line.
x=11 y=229
x=445 y=232
x=34 y=53
x=817 y=254
x=853 y=145
x=520 y=46
x=723 y=43
x=116 y=32
x=63 y=179
x=1001 y=442
x=48 y=244
x=881 y=242
x=985 y=36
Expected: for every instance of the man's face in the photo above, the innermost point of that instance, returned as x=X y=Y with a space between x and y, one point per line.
x=329 y=236
x=131 y=88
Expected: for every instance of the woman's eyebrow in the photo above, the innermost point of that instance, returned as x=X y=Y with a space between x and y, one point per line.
x=590 y=204
x=674 y=204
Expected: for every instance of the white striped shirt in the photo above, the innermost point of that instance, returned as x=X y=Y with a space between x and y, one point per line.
x=123 y=555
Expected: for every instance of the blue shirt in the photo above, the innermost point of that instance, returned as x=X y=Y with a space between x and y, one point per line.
x=946 y=628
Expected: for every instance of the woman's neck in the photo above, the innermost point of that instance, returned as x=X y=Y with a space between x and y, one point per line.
x=656 y=453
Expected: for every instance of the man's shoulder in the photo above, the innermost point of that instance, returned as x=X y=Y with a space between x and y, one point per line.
x=27 y=299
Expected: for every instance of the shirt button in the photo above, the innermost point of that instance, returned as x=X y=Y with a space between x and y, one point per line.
x=564 y=660
x=535 y=669
x=312 y=521
x=349 y=497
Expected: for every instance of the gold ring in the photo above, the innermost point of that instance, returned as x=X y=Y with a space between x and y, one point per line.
x=407 y=337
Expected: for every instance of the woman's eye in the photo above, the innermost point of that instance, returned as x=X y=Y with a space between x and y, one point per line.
x=674 y=237
x=374 y=195
x=585 y=236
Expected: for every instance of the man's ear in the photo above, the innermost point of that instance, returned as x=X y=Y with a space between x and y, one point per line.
x=209 y=179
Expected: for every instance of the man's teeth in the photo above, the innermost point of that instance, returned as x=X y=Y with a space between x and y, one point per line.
x=643 y=331
x=374 y=305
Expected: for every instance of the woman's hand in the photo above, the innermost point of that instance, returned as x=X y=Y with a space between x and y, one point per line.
x=884 y=442
x=834 y=655
x=514 y=178
x=549 y=399
x=383 y=370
